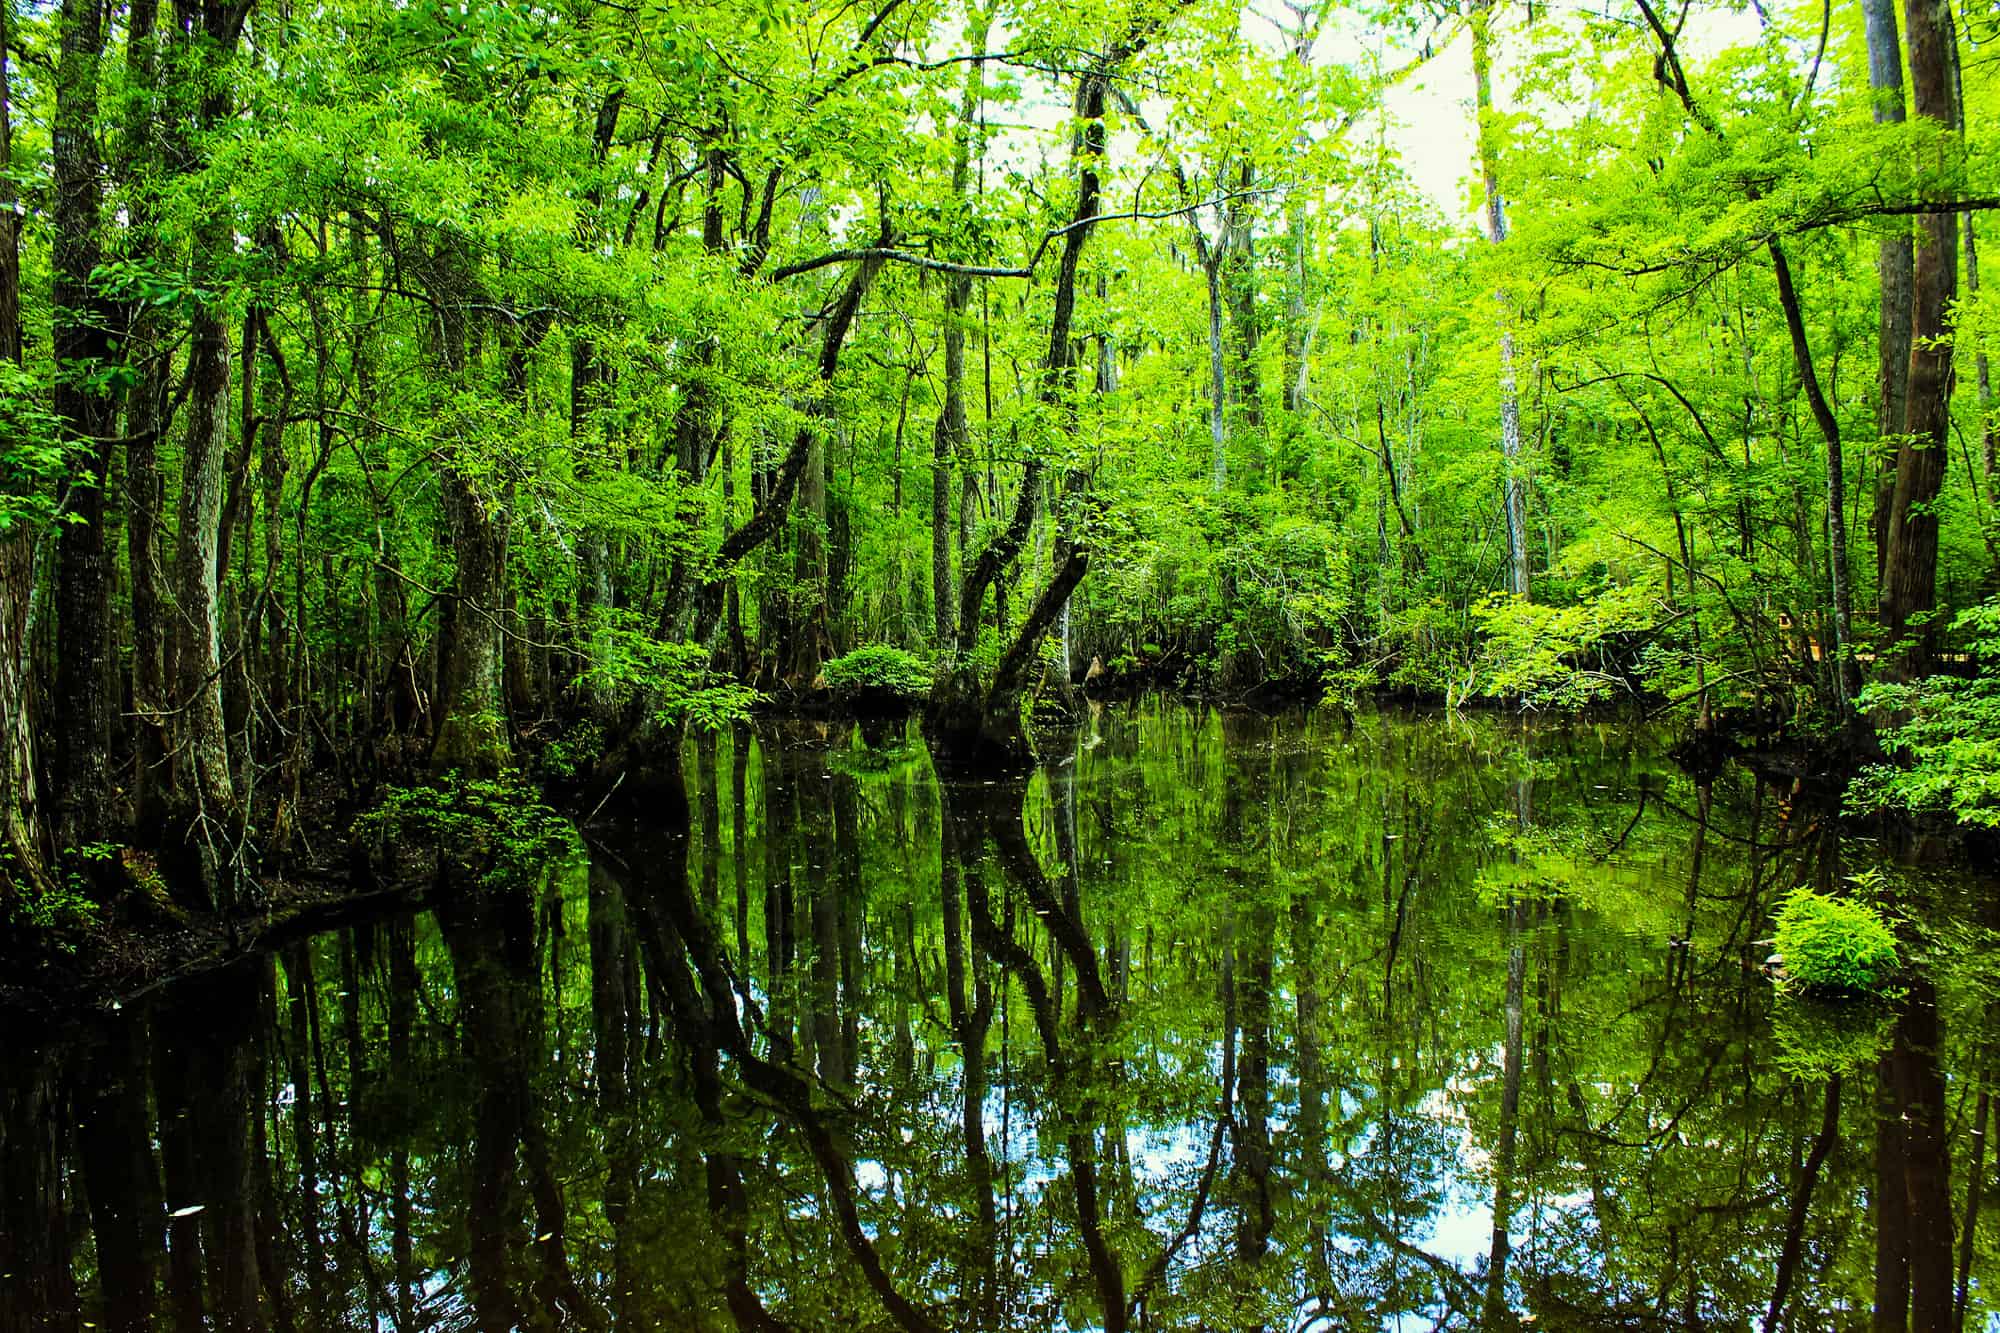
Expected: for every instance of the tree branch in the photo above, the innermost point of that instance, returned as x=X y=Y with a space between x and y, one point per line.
x=1049 y=237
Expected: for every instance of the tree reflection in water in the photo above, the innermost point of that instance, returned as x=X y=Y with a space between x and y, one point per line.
x=1205 y=1022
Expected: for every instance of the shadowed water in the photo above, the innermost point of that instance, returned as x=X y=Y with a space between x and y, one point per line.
x=1215 y=1022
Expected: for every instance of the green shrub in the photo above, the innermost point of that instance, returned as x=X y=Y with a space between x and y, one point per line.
x=627 y=657
x=1834 y=945
x=1947 y=732
x=498 y=832
x=572 y=753
x=56 y=909
x=1553 y=656
x=877 y=666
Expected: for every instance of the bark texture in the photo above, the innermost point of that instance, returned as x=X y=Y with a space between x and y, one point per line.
x=1515 y=500
x=1895 y=258
x=87 y=810
x=1909 y=565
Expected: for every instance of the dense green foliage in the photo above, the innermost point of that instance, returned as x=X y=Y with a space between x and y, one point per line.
x=496 y=833
x=385 y=387
x=1948 y=731
x=877 y=666
x=1834 y=944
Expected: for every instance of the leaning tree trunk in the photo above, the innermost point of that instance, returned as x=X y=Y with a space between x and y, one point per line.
x=772 y=506
x=84 y=704
x=1909 y=571
x=1846 y=677
x=969 y=722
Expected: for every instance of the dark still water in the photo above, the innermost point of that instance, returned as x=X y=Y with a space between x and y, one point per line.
x=1218 y=1022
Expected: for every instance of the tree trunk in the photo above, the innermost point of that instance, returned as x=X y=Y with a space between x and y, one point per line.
x=1846 y=677
x=968 y=723
x=1909 y=572
x=1894 y=261
x=1107 y=346
x=25 y=845
x=84 y=703
x=1241 y=285
x=946 y=445
x=1218 y=393
x=151 y=629
x=202 y=780
x=1515 y=496
x=949 y=444
x=145 y=418
x=472 y=734
x=595 y=599
x=773 y=504
x=273 y=463
x=588 y=384
x=1297 y=229
x=201 y=766
x=22 y=838
x=1989 y=427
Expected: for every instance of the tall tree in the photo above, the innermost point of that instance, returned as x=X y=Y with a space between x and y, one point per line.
x=87 y=808
x=1514 y=483
x=23 y=838
x=1909 y=567
x=1895 y=257
x=950 y=442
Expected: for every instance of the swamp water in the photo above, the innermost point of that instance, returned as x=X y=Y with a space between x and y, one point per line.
x=1217 y=1022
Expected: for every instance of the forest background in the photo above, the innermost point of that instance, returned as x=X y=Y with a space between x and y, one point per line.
x=402 y=389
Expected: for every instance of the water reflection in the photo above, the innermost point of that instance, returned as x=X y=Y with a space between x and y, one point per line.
x=1209 y=1022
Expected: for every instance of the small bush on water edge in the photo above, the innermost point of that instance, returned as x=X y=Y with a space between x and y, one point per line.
x=498 y=831
x=877 y=666
x=1834 y=945
x=55 y=910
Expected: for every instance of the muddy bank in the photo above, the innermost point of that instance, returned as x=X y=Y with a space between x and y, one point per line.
x=139 y=946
